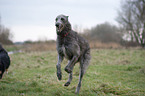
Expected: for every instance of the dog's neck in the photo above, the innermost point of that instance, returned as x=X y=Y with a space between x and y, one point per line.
x=66 y=32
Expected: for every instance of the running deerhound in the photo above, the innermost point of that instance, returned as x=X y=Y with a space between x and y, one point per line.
x=73 y=47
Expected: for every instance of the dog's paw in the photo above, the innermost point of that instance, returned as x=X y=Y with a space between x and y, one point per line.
x=67 y=84
x=59 y=76
x=67 y=69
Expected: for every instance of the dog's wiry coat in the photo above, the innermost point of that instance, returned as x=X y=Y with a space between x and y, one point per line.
x=73 y=47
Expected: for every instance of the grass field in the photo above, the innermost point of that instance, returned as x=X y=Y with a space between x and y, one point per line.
x=111 y=72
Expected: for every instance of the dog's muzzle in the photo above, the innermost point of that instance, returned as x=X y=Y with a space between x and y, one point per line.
x=59 y=27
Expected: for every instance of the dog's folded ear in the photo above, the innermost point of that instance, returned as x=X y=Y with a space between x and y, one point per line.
x=67 y=17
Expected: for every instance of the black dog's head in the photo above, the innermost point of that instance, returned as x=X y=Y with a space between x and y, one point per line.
x=62 y=24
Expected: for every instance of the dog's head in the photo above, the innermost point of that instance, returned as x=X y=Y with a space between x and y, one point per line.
x=62 y=23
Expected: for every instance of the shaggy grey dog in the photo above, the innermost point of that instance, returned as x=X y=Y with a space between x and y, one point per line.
x=73 y=47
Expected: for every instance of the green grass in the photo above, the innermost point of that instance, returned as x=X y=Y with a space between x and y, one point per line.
x=111 y=72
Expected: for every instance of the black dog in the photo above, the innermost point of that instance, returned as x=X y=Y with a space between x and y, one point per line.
x=4 y=61
x=73 y=47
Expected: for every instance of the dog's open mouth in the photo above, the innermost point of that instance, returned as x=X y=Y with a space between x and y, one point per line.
x=60 y=27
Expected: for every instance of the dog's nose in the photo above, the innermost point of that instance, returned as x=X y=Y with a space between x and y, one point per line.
x=57 y=25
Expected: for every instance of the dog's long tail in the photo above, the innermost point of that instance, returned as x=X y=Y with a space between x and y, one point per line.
x=85 y=60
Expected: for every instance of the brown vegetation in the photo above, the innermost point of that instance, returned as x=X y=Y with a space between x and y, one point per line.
x=45 y=46
x=96 y=44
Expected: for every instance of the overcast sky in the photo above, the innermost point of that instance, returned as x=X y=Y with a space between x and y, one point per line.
x=35 y=19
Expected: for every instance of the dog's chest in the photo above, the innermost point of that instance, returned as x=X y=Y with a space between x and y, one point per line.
x=67 y=52
x=64 y=50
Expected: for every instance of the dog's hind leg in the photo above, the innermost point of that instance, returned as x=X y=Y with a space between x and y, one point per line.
x=83 y=66
x=80 y=80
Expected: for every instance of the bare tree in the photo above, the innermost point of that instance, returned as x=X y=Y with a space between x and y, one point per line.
x=131 y=17
x=5 y=34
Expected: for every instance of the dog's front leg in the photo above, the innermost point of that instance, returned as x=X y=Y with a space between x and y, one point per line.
x=58 y=66
x=71 y=64
x=75 y=50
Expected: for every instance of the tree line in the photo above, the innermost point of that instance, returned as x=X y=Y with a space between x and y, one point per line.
x=104 y=33
x=131 y=29
x=131 y=20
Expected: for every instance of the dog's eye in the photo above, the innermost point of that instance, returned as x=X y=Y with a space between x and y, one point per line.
x=56 y=19
x=62 y=19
